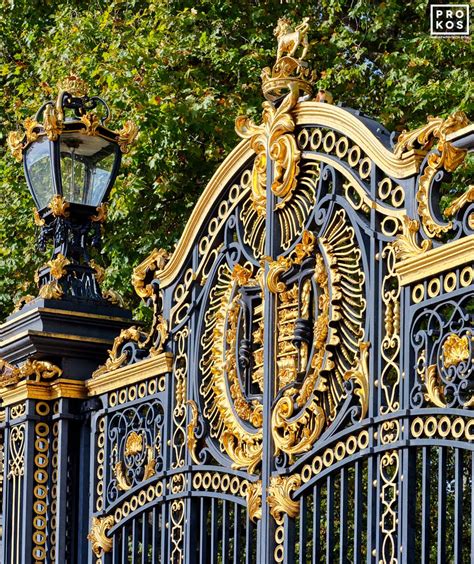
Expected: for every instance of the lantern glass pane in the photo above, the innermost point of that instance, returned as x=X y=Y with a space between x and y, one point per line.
x=86 y=167
x=38 y=165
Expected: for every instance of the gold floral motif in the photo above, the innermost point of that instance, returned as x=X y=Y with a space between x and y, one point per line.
x=241 y=275
x=133 y=444
x=161 y=329
x=92 y=122
x=98 y=534
x=59 y=206
x=51 y=291
x=460 y=202
x=127 y=136
x=305 y=248
x=273 y=136
x=117 y=359
x=101 y=215
x=57 y=266
x=122 y=482
x=254 y=500
x=455 y=350
x=280 y=498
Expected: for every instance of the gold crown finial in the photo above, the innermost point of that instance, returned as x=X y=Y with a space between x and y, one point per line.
x=290 y=66
x=74 y=86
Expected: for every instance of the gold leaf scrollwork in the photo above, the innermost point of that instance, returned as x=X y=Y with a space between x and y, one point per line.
x=455 y=350
x=275 y=269
x=460 y=202
x=273 y=136
x=39 y=369
x=23 y=301
x=101 y=215
x=254 y=500
x=360 y=376
x=434 y=388
x=15 y=144
x=127 y=136
x=280 y=498
x=51 y=291
x=52 y=122
x=191 y=431
x=58 y=265
x=99 y=271
x=305 y=248
x=98 y=534
x=91 y=121
x=37 y=218
x=142 y=273
x=59 y=206
x=447 y=156
x=117 y=359
x=406 y=245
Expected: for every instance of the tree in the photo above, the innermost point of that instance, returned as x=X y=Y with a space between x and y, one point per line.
x=183 y=71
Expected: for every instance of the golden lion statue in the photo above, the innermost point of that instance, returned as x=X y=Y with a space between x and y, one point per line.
x=289 y=41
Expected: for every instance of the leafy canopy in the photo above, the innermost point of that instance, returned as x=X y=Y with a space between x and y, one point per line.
x=183 y=71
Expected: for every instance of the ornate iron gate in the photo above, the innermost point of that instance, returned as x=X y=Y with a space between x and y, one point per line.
x=305 y=393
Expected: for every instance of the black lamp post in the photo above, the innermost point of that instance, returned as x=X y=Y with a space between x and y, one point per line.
x=71 y=159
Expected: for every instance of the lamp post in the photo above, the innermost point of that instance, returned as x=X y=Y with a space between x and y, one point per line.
x=71 y=159
x=50 y=347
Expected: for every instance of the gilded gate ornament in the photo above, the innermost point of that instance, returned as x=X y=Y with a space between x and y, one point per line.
x=98 y=535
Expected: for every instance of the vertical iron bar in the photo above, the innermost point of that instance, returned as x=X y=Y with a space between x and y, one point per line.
x=214 y=531
x=442 y=505
x=237 y=548
x=330 y=520
x=425 y=507
x=316 y=524
x=343 y=540
x=303 y=528
x=272 y=247
x=248 y=539
x=225 y=531
x=358 y=501
x=458 y=493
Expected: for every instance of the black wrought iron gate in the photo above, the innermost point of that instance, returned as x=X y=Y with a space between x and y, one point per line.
x=305 y=393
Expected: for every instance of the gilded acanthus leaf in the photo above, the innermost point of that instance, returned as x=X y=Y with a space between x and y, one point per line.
x=32 y=369
x=57 y=266
x=51 y=291
x=191 y=430
x=254 y=500
x=280 y=496
x=101 y=215
x=146 y=270
x=360 y=376
x=116 y=358
x=98 y=535
x=434 y=388
x=460 y=202
x=127 y=136
x=406 y=245
x=91 y=121
x=133 y=444
x=59 y=206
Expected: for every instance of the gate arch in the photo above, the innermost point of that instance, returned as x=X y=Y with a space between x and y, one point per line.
x=305 y=390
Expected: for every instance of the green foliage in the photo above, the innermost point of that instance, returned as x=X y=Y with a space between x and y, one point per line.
x=183 y=71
